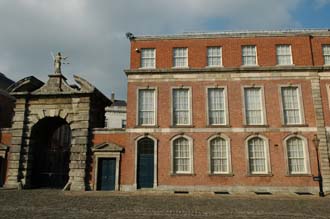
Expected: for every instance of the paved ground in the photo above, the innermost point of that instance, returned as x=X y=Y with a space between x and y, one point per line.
x=58 y=204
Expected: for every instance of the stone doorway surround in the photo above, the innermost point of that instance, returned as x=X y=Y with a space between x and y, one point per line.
x=81 y=106
x=106 y=150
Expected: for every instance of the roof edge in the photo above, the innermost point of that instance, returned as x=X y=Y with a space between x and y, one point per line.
x=247 y=33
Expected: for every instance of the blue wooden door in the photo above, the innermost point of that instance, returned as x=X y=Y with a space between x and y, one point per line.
x=106 y=174
x=145 y=168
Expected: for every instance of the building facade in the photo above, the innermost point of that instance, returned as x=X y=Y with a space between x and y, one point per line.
x=231 y=111
x=115 y=115
x=222 y=112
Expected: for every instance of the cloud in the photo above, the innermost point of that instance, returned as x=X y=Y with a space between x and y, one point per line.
x=321 y=3
x=92 y=33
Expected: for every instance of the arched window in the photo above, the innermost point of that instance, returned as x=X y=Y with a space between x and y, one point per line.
x=219 y=156
x=182 y=155
x=258 y=154
x=296 y=154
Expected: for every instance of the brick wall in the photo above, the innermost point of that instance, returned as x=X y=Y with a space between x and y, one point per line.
x=235 y=101
x=201 y=176
x=306 y=52
x=127 y=161
x=302 y=49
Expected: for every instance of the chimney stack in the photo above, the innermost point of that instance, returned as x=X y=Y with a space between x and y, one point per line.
x=112 y=97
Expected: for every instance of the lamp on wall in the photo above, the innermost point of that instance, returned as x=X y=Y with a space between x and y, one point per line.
x=318 y=178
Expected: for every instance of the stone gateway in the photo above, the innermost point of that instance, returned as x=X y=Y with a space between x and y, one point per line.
x=51 y=132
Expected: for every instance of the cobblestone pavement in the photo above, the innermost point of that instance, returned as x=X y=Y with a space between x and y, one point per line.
x=58 y=204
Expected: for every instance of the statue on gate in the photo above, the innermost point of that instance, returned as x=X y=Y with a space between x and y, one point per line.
x=58 y=62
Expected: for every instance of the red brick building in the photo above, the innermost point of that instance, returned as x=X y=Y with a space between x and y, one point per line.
x=228 y=111
x=225 y=112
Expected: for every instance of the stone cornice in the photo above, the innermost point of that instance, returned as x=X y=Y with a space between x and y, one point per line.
x=229 y=70
x=240 y=34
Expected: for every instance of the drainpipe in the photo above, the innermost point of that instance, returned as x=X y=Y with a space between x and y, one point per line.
x=311 y=48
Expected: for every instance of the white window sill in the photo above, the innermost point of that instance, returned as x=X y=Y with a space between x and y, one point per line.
x=182 y=174
x=180 y=67
x=182 y=126
x=218 y=125
x=146 y=126
x=295 y=124
x=248 y=66
x=221 y=174
x=147 y=68
x=285 y=65
x=255 y=125
x=259 y=174
x=299 y=174
x=214 y=66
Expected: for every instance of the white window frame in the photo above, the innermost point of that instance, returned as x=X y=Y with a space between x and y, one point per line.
x=189 y=105
x=326 y=55
x=229 y=166
x=191 y=155
x=263 y=105
x=284 y=55
x=185 y=57
x=138 y=107
x=328 y=94
x=226 y=116
x=243 y=55
x=148 y=58
x=210 y=48
x=300 y=102
x=306 y=154
x=267 y=157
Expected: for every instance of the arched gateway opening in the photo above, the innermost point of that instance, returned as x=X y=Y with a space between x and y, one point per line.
x=50 y=148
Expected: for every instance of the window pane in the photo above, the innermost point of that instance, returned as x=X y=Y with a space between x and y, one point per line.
x=214 y=56
x=296 y=156
x=180 y=57
x=181 y=111
x=146 y=107
x=326 y=54
x=291 y=105
x=147 y=58
x=181 y=155
x=284 y=56
x=257 y=155
x=219 y=156
x=253 y=106
x=216 y=106
x=249 y=55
